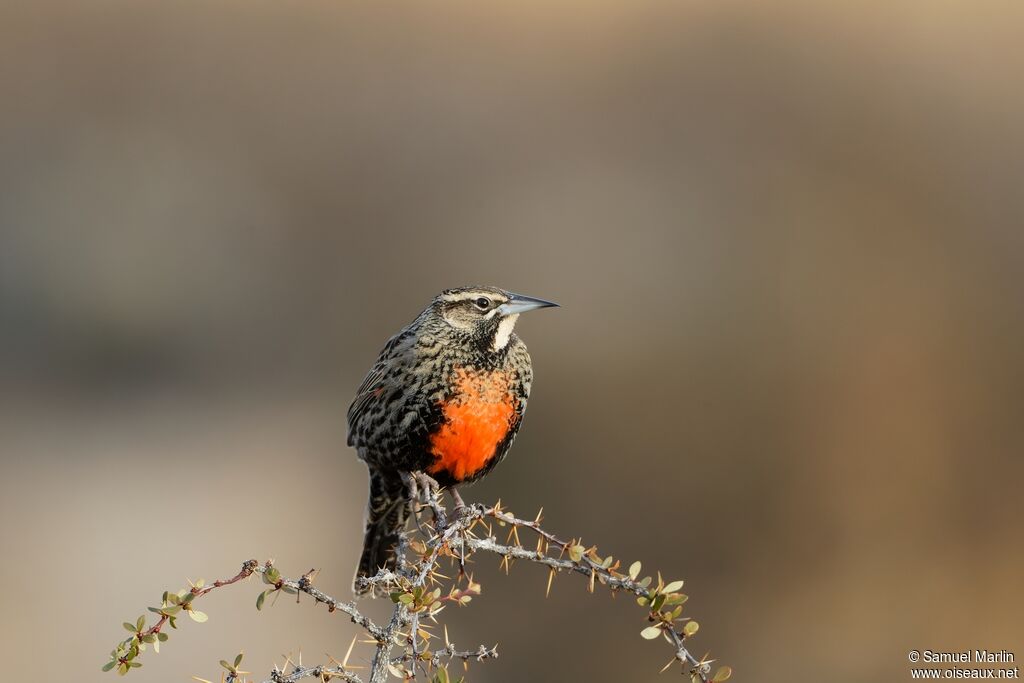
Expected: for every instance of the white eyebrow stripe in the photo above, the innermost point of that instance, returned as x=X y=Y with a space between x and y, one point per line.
x=469 y=295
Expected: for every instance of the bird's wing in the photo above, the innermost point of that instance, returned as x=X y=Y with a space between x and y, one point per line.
x=378 y=382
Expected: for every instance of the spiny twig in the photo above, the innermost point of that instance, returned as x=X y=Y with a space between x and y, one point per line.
x=420 y=592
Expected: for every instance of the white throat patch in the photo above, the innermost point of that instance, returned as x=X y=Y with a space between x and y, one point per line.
x=504 y=332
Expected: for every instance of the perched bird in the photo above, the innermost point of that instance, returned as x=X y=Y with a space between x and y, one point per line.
x=445 y=398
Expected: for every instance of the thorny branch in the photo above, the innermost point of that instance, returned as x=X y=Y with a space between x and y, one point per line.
x=420 y=592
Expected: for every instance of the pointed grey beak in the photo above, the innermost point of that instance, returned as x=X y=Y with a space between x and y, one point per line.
x=519 y=303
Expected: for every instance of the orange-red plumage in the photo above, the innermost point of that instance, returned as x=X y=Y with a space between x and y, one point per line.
x=477 y=418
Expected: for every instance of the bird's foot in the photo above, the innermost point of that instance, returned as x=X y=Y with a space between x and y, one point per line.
x=428 y=483
x=424 y=491
x=463 y=509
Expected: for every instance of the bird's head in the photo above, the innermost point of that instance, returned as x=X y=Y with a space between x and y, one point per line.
x=484 y=315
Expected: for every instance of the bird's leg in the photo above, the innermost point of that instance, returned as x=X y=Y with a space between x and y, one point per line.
x=414 y=496
x=460 y=507
x=459 y=503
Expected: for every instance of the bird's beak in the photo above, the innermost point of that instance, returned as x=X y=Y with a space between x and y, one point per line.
x=519 y=303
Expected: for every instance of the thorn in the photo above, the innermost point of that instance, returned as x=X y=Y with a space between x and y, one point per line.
x=670 y=663
x=551 y=576
x=351 y=645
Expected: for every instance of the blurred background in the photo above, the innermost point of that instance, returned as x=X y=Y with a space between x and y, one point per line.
x=787 y=238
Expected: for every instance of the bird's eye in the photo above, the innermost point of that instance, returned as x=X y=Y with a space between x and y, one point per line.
x=483 y=303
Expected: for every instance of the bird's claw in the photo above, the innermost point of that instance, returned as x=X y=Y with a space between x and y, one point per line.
x=429 y=484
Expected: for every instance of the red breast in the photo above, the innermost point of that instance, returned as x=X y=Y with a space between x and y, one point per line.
x=478 y=416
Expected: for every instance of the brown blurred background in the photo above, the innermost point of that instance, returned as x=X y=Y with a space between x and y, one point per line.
x=787 y=238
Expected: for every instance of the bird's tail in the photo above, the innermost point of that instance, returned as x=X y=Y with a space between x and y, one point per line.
x=386 y=513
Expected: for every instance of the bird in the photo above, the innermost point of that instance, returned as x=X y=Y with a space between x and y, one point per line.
x=444 y=400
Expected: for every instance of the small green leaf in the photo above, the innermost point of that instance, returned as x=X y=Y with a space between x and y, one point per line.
x=651 y=632
x=238 y=659
x=198 y=616
x=634 y=570
x=672 y=587
x=722 y=675
x=645 y=582
x=225 y=664
x=690 y=628
x=406 y=598
x=110 y=665
x=162 y=637
x=259 y=600
x=128 y=626
x=576 y=552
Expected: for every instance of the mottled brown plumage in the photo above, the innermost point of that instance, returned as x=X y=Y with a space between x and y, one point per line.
x=445 y=397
